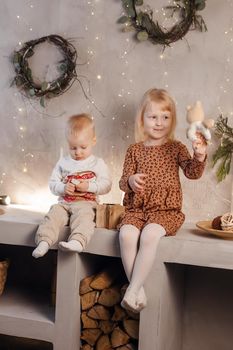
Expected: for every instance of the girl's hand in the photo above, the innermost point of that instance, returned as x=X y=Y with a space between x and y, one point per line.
x=137 y=182
x=82 y=186
x=199 y=147
x=69 y=189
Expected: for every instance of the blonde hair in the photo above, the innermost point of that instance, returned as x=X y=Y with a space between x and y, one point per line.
x=167 y=104
x=78 y=123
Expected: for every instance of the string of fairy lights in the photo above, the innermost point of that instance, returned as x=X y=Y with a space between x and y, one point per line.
x=20 y=112
x=127 y=79
x=225 y=85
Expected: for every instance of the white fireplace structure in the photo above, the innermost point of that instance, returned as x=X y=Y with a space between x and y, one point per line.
x=189 y=289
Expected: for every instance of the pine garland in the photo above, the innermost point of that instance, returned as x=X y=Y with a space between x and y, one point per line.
x=225 y=149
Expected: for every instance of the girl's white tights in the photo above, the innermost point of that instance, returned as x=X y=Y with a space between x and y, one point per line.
x=138 y=262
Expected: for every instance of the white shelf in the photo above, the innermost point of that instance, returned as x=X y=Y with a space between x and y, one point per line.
x=25 y=304
x=20 y=309
x=29 y=315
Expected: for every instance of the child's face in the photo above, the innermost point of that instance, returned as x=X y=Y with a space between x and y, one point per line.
x=80 y=145
x=157 y=122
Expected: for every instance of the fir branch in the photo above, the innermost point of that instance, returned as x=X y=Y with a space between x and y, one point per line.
x=224 y=151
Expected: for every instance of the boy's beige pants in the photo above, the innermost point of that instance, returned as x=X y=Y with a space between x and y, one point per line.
x=80 y=217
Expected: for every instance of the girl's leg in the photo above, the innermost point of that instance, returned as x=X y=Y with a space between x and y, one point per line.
x=129 y=236
x=149 y=240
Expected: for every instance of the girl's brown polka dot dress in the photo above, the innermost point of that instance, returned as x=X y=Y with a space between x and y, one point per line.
x=161 y=201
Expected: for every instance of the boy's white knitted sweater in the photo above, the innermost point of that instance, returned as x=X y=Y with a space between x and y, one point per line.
x=68 y=170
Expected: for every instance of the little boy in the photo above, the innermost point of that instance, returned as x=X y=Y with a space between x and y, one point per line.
x=77 y=179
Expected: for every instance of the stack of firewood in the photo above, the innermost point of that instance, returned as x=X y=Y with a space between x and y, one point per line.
x=105 y=324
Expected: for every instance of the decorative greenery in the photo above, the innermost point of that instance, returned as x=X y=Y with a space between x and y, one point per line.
x=24 y=75
x=146 y=29
x=225 y=149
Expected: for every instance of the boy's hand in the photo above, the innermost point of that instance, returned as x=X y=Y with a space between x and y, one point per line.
x=199 y=147
x=137 y=182
x=69 y=189
x=82 y=186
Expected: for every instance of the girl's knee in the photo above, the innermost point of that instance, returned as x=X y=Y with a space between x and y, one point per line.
x=152 y=232
x=123 y=237
x=127 y=234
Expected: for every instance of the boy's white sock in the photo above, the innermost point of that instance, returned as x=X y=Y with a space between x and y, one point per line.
x=40 y=250
x=72 y=246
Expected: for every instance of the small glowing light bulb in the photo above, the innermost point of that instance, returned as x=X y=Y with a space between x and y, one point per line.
x=5 y=200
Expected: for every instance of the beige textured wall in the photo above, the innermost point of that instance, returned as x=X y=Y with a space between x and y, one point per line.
x=198 y=67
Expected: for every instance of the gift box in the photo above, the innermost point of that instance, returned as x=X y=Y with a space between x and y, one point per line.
x=109 y=215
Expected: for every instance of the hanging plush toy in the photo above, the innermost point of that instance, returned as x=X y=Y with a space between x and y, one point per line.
x=198 y=123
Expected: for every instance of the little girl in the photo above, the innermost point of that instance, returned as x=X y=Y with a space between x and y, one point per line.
x=153 y=196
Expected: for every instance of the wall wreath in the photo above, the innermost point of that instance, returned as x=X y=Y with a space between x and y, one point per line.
x=24 y=79
x=146 y=29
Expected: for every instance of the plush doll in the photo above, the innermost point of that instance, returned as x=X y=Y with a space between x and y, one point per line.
x=198 y=123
